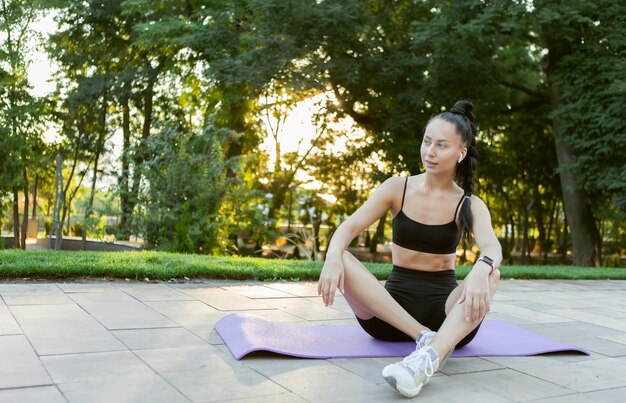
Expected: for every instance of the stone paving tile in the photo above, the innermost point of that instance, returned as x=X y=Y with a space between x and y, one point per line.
x=63 y=329
x=258 y=291
x=581 y=376
x=19 y=365
x=8 y=325
x=199 y=370
x=69 y=288
x=577 y=398
x=526 y=314
x=224 y=300
x=339 y=303
x=40 y=394
x=600 y=346
x=600 y=320
x=275 y=315
x=154 y=292
x=464 y=365
x=117 y=310
x=30 y=294
x=139 y=339
x=617 y=338
x=281 y=398
x=510 y=384
x=367 y=368
x=319 y=380
x=451 y=389
x=304 y=289
x=136 y=388
x=109 y=377
x=306 y=309
x=609 y=396
x=187 y=313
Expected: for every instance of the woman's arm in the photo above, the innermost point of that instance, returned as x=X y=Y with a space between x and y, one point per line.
x=373 y=209
x=476 y=293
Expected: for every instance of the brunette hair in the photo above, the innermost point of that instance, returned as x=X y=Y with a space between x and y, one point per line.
x=462 y=117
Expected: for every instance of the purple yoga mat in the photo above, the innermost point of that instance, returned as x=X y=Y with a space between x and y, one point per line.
x=245 y=333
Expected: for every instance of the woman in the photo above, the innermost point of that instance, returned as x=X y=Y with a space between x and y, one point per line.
x=421 y=299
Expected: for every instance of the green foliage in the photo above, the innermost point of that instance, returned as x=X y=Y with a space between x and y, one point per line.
x=593 y=79
x=182 y=241
x=611 y=260
x=187 y=177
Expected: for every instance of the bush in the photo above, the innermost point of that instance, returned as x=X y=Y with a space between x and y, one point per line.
x=1 y=242
x=611 y=260
x=77 y=229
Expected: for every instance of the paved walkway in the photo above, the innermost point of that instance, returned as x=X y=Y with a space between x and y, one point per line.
x=130 y=342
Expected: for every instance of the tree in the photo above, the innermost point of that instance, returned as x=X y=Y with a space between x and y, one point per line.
x=20 y=113
x=585 y=47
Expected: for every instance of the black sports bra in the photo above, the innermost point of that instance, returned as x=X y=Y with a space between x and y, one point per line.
x=441 y=239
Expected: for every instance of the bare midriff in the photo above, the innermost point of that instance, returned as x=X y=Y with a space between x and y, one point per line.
x=411 y=259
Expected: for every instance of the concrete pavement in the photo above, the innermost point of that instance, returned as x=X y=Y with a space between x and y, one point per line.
x=136 y=342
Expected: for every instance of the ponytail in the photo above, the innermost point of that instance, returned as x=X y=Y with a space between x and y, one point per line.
x=462 y=117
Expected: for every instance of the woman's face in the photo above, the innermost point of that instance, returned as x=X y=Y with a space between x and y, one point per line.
x=442 y=147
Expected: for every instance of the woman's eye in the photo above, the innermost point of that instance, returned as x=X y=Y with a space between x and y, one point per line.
x=442 y=146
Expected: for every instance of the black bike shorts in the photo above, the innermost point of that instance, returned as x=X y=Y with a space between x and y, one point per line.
x=423 y=295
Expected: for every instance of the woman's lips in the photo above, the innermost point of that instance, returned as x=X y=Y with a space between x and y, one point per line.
x=430 y=163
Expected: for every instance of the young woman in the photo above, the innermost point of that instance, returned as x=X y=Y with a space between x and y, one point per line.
x=421 y=299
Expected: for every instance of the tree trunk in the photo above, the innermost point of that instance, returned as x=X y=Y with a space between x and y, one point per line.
x=564 y=241
x=35 y=186
x=539 y=222
x=16 y=218
x=525 y=245
x=67 y=203
x=578 y=208
x=549 y=232
x=25 y=214
x=58 y=202
x=125 y=204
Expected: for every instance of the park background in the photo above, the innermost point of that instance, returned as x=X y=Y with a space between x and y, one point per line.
x=253 y=128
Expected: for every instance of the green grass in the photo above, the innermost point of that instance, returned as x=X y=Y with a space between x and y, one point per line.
x=53 y=265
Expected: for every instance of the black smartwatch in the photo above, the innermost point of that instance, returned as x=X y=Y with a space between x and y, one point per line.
x=489 y=261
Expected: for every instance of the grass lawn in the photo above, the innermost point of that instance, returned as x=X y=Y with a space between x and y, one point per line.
x=59 y=265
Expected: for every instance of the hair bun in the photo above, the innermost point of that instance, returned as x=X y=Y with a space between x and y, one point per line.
x=464 y=108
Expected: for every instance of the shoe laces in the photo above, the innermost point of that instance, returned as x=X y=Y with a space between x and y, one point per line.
x=420 y=360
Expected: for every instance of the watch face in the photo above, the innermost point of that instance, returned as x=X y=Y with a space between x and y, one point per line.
x=488 y=259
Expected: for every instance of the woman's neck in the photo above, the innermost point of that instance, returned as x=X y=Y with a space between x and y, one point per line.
x=438 y=183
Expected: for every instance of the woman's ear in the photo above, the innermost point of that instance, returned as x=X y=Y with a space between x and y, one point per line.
x=462 y=155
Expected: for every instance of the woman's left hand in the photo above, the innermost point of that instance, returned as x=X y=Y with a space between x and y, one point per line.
x=476 y=294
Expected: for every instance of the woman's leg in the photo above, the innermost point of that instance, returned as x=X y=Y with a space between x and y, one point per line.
x=455 y=327
x=368 y=298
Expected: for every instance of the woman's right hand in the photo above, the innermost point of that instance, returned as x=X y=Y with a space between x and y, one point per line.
x=332 y=276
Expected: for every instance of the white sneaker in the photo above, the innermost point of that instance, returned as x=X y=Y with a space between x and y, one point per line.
x=413 y=372
x=424 y=339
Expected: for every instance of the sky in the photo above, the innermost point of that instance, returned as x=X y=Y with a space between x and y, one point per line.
x=41 y=68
